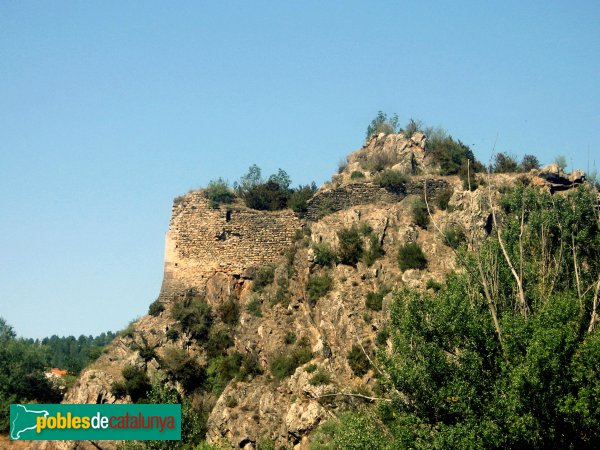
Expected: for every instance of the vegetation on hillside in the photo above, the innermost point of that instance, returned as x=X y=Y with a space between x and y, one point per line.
x=23 y=363
x=504 y=354
x=271 y=194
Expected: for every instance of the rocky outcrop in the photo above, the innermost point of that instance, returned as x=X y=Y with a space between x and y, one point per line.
x=556 y=179
x=392 y=151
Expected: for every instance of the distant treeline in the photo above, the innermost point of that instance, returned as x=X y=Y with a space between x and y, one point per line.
x=71 y=353
x=24 y=361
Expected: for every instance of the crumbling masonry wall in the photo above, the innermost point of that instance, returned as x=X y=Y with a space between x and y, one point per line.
x=354 y=194
x=202 y=241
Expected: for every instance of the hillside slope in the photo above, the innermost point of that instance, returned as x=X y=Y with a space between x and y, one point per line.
x=297 y=302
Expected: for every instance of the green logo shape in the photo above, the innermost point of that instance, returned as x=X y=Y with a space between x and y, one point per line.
x=34 y=422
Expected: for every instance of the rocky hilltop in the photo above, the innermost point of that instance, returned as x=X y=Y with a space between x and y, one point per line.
x=291 y=298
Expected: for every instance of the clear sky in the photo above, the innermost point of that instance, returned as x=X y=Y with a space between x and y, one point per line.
x=110 y=109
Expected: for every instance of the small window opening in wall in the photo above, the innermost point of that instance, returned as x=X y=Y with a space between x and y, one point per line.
x=228 y=216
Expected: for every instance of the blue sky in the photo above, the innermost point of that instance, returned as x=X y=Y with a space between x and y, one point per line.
x=110 y=109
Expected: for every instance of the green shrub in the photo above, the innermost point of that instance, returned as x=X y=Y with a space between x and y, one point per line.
x=146 y=351
x=222 y=370
x=357 y=175
x=320 y=378
x=350 y=247
x=454 y=236
x=382 y=336
x=298 y=199
x=505 y=163
x=451 y=155
x=432 y=284
x=365 y=228
x=173 y=334
x=128 y=331
x=420 y=214
x=219 y=192
x=281 y=294
x=264 y=276
x=180 y=366
x=325 y=207
x=250 y=367
x=230 y=402
x=156 y=307
x=269 y=196
x=317 y=286
x=311 y=368
x=285 y=363
x=195 y=317
x=193 y=421
x=137 y=383
x=354 y=431
x=254 y=306
x=324 y=255
x=443 y=198
x=219 y=340
x=410 y=256
x=302 y=234
x=358 y=361
x=391 y=179
x=377 y=161
x=264 y=443
x=374 y=252
x=118 y=389
x=289 y=338
x=374 y=301
x=229 y=312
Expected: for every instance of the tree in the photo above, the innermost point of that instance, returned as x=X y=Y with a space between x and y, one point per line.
x=529 y=162
x=514 y=377
x=22 y=376
x=412 y=127
x=504 y=163
x=282 y=179
x=249 y=180
x=561 y=161
x=382 y=124
x=193 y=421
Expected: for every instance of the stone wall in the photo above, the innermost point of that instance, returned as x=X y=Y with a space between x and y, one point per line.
x=202 y=241
x=354 y=194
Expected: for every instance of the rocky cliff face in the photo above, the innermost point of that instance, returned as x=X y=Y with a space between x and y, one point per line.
x=218 y=251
